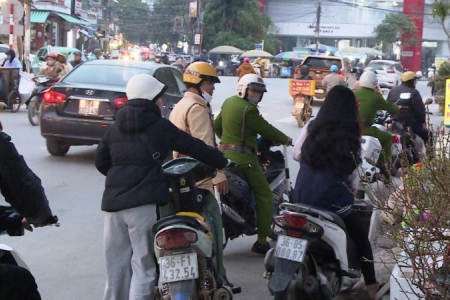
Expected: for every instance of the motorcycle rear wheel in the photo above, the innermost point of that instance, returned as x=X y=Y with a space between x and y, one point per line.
x=34 y=113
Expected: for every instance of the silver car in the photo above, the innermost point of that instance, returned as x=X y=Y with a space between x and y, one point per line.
x=389 y=72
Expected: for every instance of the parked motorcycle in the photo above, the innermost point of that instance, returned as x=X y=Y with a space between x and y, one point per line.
x=313 y=258
x=238 y=206
x=34 y=102
x=183 y=244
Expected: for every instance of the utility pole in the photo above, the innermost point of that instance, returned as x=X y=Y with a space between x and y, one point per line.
x=318 y=26
x=199 y=26
x=27 y=37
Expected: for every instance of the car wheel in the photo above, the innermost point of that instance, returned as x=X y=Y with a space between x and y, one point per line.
x=56 y=148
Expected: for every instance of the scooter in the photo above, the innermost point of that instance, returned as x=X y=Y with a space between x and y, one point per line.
x=313 y=258
x=34 y=102
x=238 y=206
x=302 y=109
x=182 y=242
x=14 y=227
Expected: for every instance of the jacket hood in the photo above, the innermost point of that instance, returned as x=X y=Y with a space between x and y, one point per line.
x=137 y=114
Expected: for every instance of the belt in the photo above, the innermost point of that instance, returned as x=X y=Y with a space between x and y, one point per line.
x=239 y=148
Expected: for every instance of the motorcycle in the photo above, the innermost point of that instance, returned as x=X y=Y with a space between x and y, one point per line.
x=302 y=109
x=182 y=242
x=238 y=206
x=313 y=258
x=14 y=227
x=34 y=102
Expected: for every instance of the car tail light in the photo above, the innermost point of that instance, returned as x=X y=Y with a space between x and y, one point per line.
x=395 y=139
x=176 y=239
x=390 y=71
x=119 y=102
x=293 y=221
x=53 y=97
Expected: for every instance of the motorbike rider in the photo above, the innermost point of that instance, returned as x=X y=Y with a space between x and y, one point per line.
x=50 y=69
x=164 y=58
x=370 y=102
x=193 y=115
x=413 y=112
x=237 y=126
x=61 y=62
x=332 y=79
x=304 y=73
x=11 y=60
x=368 y=69
x=23 y=190
x=245 y=68
x=77 y=60
x=98 y=54
x=130 y=155
x=328 y=158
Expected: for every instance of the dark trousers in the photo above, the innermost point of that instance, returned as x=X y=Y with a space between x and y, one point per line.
x=420 y=131
x=17 y=283
x=360 y=238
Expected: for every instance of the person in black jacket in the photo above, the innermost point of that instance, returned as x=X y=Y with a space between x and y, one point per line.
x=22 y=189
x=413 y=113
x=130 y=155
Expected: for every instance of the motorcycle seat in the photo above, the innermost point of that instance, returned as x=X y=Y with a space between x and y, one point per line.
x=172 y=220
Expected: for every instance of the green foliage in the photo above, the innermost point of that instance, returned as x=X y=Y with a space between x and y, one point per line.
x=163 y=27
x=440 y=11
x=236 y=23
x=393 y=26
x=132 y=18
x=442 y=75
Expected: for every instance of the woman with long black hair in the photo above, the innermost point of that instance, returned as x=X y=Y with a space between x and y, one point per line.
x=329 y=155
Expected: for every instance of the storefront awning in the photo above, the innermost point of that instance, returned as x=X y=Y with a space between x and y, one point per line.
x=37 y=16
x=71 y=19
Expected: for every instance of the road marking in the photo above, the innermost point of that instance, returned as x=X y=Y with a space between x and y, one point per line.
x=289 y=119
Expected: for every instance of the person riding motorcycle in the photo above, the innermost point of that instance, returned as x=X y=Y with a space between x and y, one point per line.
x=61 y=62
x=368 y=69
x=304 y=74
x=164 y=58
x=51 y=69
x=23 y=190
x=414 y=112
x=237 y=125
x=245 y=68
x=193 y=115
x=370 y=102
x=332 y=79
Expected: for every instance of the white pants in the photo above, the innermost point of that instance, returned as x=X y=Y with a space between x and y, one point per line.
x=130 y=264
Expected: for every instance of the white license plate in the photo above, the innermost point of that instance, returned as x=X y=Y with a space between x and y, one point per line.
x=291 y=248
x=178 y=267
x=88 y=107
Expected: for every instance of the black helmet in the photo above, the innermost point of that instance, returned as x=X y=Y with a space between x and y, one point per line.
x=304 y=70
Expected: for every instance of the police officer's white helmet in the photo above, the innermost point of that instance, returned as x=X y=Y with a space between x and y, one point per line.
x=368 y=80
x=252 y=82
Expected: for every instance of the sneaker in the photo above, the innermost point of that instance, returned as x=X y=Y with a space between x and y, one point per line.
x=261 y=248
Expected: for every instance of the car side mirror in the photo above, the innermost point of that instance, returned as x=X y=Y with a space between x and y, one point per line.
x=41 y=58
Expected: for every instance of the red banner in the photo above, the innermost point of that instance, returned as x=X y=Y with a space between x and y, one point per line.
x=411 y=56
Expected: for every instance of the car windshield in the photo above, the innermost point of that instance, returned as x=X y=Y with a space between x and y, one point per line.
x=104 y=75
x=316 y=62
x=380 y=65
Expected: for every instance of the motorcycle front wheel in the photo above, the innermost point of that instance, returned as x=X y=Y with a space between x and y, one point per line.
x=34 y=113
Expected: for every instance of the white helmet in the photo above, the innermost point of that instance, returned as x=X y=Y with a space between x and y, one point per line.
x=369 y=69
x=368 y=80
x=250 y=81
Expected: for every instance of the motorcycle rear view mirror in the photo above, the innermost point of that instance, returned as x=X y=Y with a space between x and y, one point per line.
x=41 y=58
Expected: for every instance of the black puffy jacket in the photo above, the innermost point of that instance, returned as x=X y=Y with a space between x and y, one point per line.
x=125 y=155
x=415 y=112
x=20 y=186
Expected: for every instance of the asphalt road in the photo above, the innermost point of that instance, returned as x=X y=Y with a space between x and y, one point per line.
x=68 y=261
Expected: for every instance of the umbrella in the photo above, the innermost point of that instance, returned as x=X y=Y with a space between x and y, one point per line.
x=351 y=50
x=371 y=51
x=322 y=48
x=225 y=50
x=256 y=53
x=288 y=55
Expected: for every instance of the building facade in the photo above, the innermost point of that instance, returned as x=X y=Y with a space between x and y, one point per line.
x=353 y=21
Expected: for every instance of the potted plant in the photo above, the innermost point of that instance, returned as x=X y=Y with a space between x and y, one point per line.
x=438 y=82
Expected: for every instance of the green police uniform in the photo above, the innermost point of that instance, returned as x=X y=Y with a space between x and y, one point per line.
x=369 y=103
x=237 y=126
